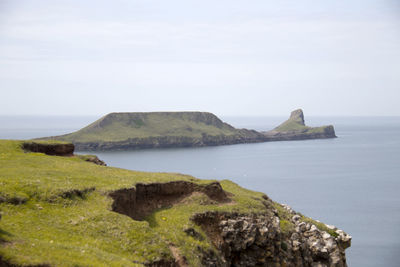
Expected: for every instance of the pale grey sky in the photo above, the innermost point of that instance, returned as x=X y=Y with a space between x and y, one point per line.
x=230 y=57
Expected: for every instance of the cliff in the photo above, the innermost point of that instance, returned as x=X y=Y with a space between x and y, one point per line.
x=66 y=211
x=121 y=131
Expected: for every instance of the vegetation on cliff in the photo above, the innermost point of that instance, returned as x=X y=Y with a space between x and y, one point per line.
x=67 y=211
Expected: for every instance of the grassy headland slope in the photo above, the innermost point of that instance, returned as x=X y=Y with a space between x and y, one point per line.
x=116 y=127
x=137 y=130
x=156 y=129
x=65 y=211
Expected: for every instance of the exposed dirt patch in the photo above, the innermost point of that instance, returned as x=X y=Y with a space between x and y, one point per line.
x=77 y=193
x=190 y=231
x=200 y=198
x=49 y=149
x=4 y=263
x=15 y=200
x=179 y=259
x=142 y=200
x=160 y=263
x=209 y=222
x=3 y=234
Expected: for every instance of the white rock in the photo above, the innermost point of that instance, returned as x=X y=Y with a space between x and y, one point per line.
x=296 y=218
x=263 y=230
x=325 y=235
x=331 y=227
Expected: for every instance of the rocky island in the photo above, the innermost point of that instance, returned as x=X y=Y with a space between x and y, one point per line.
x=139 y=130
x=60 y=209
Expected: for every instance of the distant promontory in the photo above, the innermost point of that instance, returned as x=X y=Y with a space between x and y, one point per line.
x=140 y=130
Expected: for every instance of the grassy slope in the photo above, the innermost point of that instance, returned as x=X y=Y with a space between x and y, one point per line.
x=121 y=126
x=291 y=125
x=296 y=124
x=40 y=225
x=50 y=228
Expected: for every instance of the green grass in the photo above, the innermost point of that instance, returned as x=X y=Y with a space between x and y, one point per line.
x=291 y=125
x=122 y=126
x=285 y=219
x=295 y=126
x=50 y=226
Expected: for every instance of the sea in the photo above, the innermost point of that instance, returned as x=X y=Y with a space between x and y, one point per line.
x=352 y=182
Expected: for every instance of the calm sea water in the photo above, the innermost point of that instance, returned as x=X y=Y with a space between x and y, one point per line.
x=352 y=181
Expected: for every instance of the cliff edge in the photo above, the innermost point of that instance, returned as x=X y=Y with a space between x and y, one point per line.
x=66 y=211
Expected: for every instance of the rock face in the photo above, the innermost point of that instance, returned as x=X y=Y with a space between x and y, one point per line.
x=254 y=239
x=298 y=116
x=172 y=141
x=257 y=240
x=53 y=149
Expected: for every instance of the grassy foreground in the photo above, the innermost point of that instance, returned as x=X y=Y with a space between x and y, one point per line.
x=57 y=211
x=43 y=222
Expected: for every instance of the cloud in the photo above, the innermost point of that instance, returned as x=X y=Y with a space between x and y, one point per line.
x=267 y=50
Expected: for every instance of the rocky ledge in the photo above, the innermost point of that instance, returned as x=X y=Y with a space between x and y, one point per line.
x=58 y=149
x=53 y=149
x=259 y=240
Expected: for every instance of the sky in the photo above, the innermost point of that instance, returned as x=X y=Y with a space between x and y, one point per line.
x=229 y=57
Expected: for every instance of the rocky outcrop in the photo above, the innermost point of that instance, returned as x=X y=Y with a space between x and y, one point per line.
x=96 y=161
x=93 y=159
x=54 y=149
x=59 y=149
x=143 y=199
x=297 y=116
x=258 y=240
x=295 y=129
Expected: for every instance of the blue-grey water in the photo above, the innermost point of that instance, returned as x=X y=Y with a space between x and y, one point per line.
x=352 y=181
